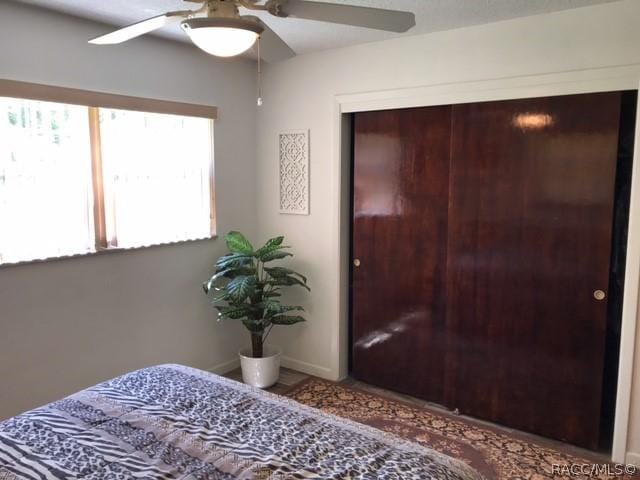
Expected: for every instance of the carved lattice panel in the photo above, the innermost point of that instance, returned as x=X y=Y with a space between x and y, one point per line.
x=294 y=172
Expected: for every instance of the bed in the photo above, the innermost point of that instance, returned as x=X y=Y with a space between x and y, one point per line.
x=176 y=422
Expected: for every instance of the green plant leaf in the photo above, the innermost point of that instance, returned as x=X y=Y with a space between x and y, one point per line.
x=274 y=255
x=271 y=245
x=271 y=294
x=287 y=281
x=278 y=272
x=233 y=260
x=247 y=293
x=270 y=306
x=241 y=287
x=244 y=270
x=208 y=285
x=292 y=308
x=234 y=312
x=230 y=272
x=277 y=309
x=237 y=243
x=220 y=298
x=286 y=319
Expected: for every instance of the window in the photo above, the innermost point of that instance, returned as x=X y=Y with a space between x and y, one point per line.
x=156 y=174
x=45 y=180
x=76 y=179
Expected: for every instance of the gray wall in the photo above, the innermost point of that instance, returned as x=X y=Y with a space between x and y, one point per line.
x=66 y=324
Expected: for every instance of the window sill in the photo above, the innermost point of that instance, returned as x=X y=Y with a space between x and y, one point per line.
x=104 y=251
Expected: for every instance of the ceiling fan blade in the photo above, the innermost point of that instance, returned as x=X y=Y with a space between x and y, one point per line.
x=272 y=48
x=140 y=28
x=378 y=18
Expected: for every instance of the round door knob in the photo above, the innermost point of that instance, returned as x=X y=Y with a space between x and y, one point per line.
x=356 y=262
x=599 y=295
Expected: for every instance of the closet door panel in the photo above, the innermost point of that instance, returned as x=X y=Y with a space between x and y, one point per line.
x=401 y=179
x=530 y=219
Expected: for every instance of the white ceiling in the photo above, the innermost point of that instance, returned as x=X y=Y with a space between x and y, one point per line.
x=308 y=36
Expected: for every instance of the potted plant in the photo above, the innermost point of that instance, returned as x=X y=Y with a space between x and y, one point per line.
x=246 y=288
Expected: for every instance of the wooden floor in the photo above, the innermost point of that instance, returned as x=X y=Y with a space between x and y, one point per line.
x=290 y=378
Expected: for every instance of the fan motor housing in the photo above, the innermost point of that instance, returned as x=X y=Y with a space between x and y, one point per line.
x=222 y=9
x=227 y=22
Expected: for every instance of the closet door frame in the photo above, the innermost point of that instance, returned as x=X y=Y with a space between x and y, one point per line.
x=564 y=83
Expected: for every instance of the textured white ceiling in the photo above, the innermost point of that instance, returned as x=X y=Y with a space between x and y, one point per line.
x=308 y=36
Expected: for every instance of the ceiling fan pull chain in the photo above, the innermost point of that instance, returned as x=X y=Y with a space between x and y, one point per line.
x=259 y=74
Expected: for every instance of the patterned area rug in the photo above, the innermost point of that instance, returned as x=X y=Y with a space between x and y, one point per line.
x=494 y=453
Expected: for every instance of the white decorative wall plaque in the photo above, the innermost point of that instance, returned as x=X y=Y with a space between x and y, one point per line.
x=294 y=172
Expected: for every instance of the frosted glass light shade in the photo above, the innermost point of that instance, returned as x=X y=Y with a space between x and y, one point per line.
x=222 y=37
x=223 y=41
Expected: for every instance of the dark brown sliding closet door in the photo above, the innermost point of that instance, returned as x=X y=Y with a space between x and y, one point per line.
x=530 y=219
x=401 y=181
x=483 y=235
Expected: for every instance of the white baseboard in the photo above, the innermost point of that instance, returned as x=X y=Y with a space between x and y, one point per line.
x=225 y=367
x=287 y=362
x=633 y=458
x=308 y=368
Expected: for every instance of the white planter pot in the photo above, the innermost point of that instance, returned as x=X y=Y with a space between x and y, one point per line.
x=260 y=372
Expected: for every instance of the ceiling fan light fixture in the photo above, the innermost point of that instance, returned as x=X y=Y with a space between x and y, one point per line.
x=223 y=37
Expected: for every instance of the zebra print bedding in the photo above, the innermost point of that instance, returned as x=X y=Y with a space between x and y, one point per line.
x=175 y=422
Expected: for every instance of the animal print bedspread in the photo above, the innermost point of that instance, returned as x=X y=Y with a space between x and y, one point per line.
x=175 y=422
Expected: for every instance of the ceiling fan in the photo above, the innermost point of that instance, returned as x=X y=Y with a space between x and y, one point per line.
x=218 y=28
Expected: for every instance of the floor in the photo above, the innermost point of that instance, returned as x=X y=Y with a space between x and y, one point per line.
x=569 y=449
x=290 y=378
